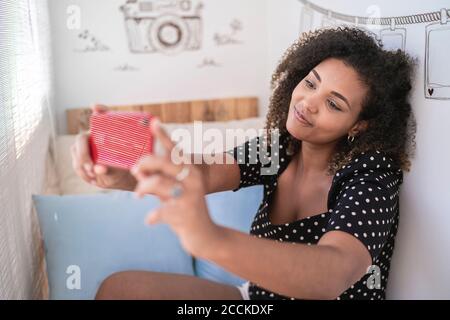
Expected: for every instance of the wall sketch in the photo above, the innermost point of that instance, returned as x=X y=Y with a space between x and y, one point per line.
x=393 y=37
x=208 y=62
x=91 y=43
x=231 y=37
x=125 y=67
x=164 y=26
x=437 y=68
x=327 y=21
x=306 y=18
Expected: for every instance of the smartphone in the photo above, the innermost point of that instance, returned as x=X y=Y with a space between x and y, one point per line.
x=119 y=139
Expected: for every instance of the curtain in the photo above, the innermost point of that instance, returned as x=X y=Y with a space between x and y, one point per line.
x=25 y=133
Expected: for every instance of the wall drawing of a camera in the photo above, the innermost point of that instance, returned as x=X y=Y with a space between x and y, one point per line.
x=166 y=26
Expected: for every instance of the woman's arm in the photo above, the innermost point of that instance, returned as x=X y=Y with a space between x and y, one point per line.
x=321 y=271
x=220 y=176
x=324 y=270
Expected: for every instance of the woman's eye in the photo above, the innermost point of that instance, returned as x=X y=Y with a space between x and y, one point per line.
x=333 y=105
x=309 y=84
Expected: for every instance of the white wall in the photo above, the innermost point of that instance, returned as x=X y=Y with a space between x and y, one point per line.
x=86 y=78
x=421 y=260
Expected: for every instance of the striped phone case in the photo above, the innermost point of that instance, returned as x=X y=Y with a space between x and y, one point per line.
x=119 y=139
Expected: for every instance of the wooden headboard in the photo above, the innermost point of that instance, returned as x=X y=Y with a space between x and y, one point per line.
x=177 y=112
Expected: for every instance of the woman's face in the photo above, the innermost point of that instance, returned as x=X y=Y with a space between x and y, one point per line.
x=330 y=98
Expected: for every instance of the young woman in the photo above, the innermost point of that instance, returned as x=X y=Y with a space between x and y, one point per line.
x=327 y=224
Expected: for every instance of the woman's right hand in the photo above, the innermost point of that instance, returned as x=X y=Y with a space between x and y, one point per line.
x=95 y=174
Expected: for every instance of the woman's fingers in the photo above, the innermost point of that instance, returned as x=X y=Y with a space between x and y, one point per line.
x=78 y=166
x=157 y=185
x=151 y=164
x=100 y=169
x=154 y=217
x=169 y=212
x=81 y=158
x=82 y=154
x=162 y=135
x=99 y=108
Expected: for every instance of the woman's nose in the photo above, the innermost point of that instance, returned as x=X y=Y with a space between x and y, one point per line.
x=310 y=106
x=311 y=103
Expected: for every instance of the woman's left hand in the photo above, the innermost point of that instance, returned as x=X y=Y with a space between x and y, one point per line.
x=181 y=190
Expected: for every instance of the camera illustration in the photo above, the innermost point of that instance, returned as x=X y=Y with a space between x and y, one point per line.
x=165 y=26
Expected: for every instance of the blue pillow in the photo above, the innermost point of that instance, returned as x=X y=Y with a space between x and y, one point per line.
x=89 y=237
x=235 y=210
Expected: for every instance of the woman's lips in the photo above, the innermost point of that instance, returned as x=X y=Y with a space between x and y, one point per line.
x=300 y=118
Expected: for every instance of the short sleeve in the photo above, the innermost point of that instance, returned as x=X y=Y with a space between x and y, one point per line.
x=247 y=157
x=367 y=203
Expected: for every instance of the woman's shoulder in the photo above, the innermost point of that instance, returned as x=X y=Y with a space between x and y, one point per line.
x=371 y=159
x=370 y=170
x=370 y=165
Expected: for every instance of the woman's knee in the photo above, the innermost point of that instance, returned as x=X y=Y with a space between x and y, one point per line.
x=112 y=287
x=160 y=286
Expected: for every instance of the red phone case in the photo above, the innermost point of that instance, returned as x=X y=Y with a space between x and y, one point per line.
x=119 y=139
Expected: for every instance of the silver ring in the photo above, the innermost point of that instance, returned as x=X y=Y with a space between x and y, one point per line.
x=176 y=191
x=182 y=174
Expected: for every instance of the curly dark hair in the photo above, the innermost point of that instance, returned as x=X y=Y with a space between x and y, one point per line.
x=387 y=74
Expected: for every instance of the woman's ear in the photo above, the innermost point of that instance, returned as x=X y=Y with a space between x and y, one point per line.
x=359 y=127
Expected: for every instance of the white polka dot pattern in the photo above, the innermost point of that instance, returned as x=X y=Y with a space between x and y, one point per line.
x=366 y=205
x=362 y=201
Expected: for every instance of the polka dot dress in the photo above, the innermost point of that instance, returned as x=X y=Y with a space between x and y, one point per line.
x=362 y=201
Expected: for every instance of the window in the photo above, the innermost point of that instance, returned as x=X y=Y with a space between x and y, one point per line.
x=25 y=122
